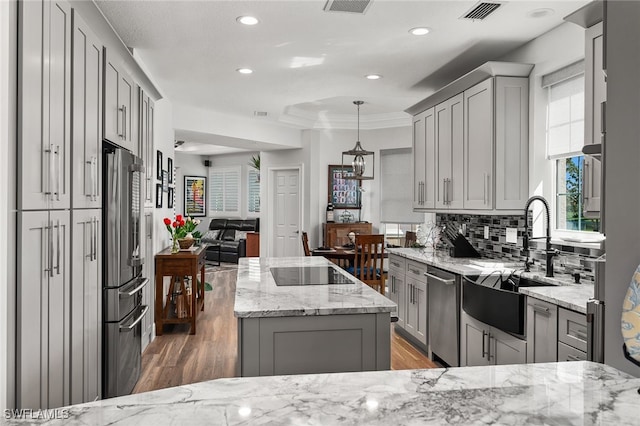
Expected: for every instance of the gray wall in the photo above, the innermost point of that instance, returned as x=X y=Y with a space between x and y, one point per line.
x=622 y=174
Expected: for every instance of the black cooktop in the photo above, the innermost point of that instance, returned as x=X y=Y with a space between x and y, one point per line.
x=308 y=275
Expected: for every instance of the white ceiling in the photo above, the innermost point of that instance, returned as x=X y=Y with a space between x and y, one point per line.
x=309 y=65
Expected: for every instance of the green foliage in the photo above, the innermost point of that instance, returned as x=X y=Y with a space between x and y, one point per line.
x=255 y=162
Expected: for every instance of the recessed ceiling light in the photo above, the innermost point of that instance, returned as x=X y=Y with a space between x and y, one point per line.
x=419 y=31
x=244 y=70
x=374 y=76
x=247 y=20
x=540 y=13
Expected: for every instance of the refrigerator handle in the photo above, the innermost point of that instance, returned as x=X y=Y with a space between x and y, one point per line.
x=590 y=315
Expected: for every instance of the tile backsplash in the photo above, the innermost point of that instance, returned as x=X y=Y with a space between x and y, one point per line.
x=571 y=259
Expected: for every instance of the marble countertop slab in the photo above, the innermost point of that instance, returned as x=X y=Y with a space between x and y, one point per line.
x=568 y=393
x=441 y=259
x=572 y=297
x=562 y=290
x=258 y=296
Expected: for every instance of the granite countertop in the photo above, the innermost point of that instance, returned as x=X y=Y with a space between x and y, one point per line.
x=573 y=296
x=257 y=295
x=562 y=291
x=567 y=393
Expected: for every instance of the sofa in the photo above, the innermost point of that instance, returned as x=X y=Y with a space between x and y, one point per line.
x=231 y=236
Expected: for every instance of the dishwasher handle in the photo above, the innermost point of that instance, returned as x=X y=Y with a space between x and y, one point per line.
x=442 y=280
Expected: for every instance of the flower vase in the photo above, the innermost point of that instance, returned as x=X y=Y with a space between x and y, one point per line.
x=175 y=247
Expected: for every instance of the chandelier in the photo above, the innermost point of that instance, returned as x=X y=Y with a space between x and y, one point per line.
x=358 y=157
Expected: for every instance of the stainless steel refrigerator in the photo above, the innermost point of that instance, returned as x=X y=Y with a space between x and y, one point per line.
x=595 y=314
x=122 y=279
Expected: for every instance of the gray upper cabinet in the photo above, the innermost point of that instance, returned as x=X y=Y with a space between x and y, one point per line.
x=595 y=96
x=449 y=117
x=478 y=146
x=512 y=142
x=424 y=160
x=481 y=141
x=86 y=306
x=87 y=115
x=119 y=105
x=44 y=105
x=43 y=332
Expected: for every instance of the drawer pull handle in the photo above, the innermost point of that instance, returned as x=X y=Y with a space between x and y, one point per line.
x=541 y=309
x=443 y=281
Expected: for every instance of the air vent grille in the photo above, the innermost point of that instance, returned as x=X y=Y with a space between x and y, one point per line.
x=260 y=113
x=349 y=6
x=481 y=11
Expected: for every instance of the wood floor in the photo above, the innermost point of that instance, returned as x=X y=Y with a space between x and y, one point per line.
x=177 y=358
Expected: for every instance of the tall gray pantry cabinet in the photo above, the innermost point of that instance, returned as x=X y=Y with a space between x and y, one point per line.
x=58 y=353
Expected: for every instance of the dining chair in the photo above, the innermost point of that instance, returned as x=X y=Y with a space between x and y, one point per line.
x=305 y=244
x=410 y=238
x=369 y=256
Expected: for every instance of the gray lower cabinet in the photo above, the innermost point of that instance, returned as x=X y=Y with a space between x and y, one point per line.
x=397 y=288
x=568 y=353
x=416 y=320
x=86 y=306
x=482 y=344
x=542 y=331
x=148 y=292
x=572 y=335
x=43 y=317
x=313 y=344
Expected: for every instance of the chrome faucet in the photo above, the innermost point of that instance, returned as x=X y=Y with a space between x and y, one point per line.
x=525 y=239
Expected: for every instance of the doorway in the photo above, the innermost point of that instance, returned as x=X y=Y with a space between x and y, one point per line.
x=286 y=209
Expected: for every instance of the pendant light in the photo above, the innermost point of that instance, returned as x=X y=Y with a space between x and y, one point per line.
x=360 y=157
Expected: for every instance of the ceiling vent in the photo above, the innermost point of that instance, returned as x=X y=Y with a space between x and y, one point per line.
x=349 y=6
x=481 y=11
x=260 y=113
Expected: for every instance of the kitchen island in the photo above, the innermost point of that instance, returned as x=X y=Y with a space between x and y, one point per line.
x=303 y=324
x=575 y=393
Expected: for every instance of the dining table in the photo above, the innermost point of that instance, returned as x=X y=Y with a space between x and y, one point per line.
x=343 y=256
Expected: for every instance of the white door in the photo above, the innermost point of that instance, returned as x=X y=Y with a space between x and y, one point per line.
x=286 y=214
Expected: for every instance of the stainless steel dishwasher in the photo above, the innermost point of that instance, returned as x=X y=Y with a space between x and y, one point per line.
x=444 y=318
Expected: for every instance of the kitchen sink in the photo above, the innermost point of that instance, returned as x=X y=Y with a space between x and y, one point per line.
x=494 y=299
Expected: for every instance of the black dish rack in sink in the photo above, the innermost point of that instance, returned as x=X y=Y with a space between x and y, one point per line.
x=494 y=299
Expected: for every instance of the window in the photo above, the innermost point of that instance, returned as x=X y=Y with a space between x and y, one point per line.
x=224 y=191
x=565 y=139
x=394 y=233
x=569 y=212
x=253 y=191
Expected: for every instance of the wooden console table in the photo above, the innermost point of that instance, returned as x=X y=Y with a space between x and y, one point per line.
x=177 y=266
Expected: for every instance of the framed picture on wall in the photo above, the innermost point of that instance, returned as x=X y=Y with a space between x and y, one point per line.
x=170 y=198
x=344 y=192
x=165 y=181
x=159 y=195
x=195 y=196
x=159 y=165
x=170 y=169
